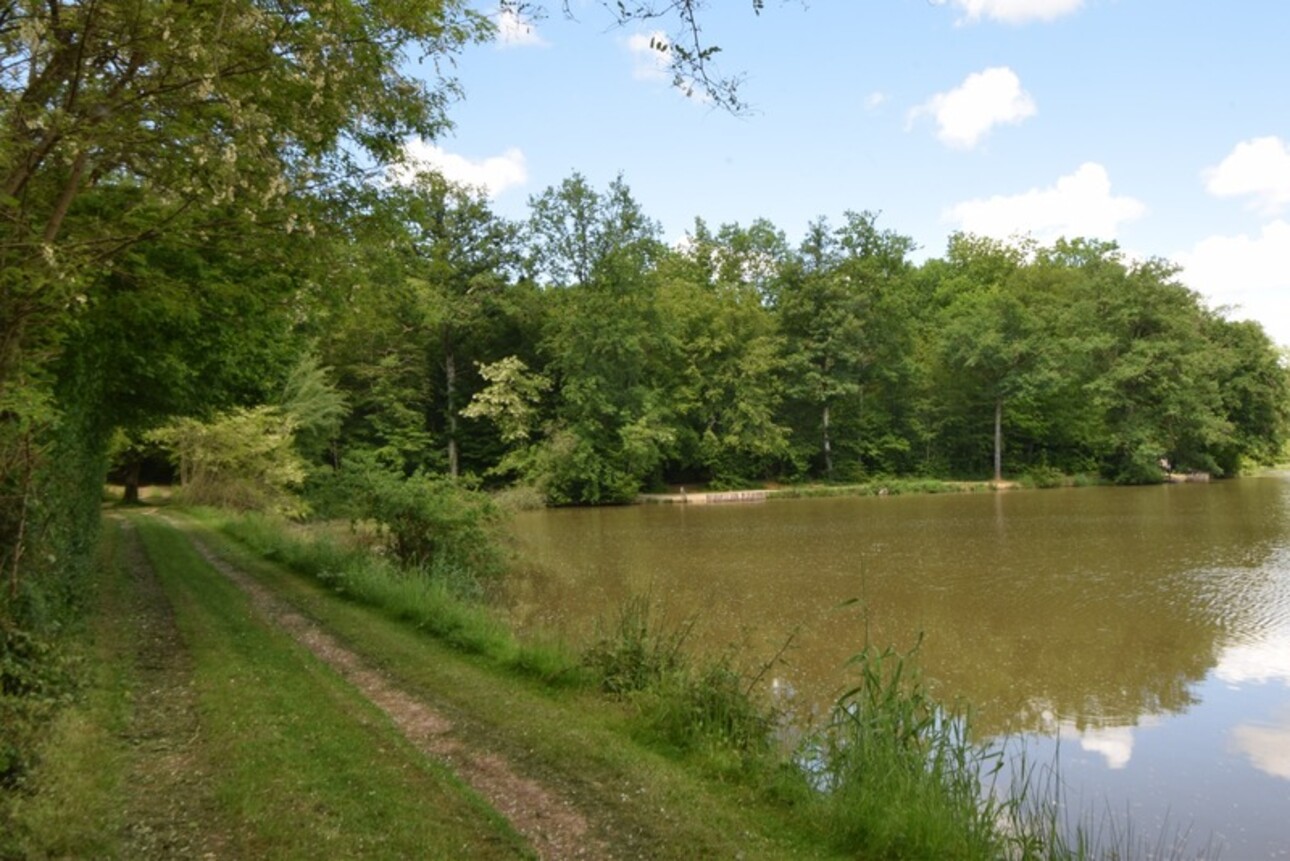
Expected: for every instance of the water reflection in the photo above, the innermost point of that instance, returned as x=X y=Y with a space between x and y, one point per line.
x=1265 y=661
x=1147 y=627
x=1102 y=604
x=1267 y=746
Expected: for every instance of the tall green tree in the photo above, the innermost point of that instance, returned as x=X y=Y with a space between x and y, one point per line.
x=725 y=374
x=994 y=342
x=838 y=306
x=612 y=426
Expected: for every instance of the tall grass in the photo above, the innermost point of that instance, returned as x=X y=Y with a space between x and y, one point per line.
x=441 y=600
x=897 y=772
x=686 y=704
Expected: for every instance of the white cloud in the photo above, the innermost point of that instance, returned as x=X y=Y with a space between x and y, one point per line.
x=1080 y=204
x=1258 y=168
x=984 y=100
x=1114 y=743
x=1264 y=661
x=1017 y=11
x=653 y=62
x=875 y=100
x=1268 y=747
x=1254 y=274
x=494 y=174
x=515 y=31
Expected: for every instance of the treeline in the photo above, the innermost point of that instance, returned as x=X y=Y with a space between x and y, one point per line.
x=577 y=353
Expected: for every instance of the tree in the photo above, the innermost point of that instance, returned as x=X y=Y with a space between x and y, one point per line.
x=612 y=426
x=724 y=374
x=993 y=338
x=690 y=55
x=838 y=306
x=462 y=255
x=125 y=119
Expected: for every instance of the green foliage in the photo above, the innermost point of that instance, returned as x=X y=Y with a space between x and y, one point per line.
x=636 y=652
x=511 y=398
x=314 y=404
x=445 y=607
x=431 y=524
x=683 y=703
x=37 y=678
x=736 y=359
x=1043 y=476
x=244 y=459
x=708 y=707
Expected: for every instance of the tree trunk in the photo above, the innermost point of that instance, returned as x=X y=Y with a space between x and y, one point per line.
x=450 y=390
x=131 y=480
x=828 y=445
x=998 y=439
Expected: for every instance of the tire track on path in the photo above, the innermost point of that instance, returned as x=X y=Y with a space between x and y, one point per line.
x=168 y=805
x=551 y=823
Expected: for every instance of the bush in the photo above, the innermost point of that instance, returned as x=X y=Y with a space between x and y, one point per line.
x=36 y=680
x=1043 y=476
x=430 y=523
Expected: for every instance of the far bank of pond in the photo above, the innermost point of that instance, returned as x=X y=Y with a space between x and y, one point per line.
x=1147 y=628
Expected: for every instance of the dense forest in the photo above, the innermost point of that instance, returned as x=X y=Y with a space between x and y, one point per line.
x=578 y=353
x=205 y=262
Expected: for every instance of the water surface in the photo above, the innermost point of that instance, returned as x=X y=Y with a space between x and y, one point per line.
x=1141 y=636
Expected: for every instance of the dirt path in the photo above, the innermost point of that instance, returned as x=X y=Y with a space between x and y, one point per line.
x=554 y=827
x=168 y=800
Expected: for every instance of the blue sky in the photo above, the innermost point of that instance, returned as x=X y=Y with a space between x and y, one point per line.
x=1164 y=126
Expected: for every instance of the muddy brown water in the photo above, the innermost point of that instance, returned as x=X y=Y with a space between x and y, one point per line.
x=1140 y=637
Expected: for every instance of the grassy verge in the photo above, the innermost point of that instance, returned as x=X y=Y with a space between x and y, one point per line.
x=80 y=764
x=274 y=757
x=882 y=487
x=447 y=609
x=307 y=768
x=649 y=802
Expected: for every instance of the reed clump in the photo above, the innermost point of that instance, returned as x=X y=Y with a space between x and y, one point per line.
x=897 y=773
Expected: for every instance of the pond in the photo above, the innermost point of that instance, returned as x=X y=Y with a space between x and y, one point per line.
x=1140 y=637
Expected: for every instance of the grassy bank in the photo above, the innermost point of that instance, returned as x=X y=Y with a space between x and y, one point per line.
x=204 y=732
x=668 y=755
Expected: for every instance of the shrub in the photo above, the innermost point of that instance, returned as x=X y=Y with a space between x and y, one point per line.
x=1043 y=476
x=430 y=523
x=244 y=459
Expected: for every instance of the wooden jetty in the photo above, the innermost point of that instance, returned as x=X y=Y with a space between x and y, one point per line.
x=712 y=498
x=1184 y=477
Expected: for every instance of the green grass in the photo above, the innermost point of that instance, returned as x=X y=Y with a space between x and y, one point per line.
x=898 y=773
x=306 y=767
x=447 y=609
x=80 y=764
